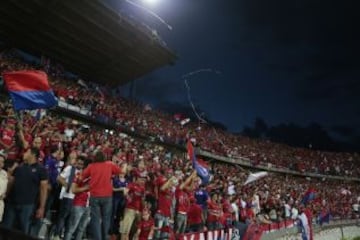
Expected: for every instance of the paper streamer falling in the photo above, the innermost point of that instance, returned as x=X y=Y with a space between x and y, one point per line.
x=200 y=71
x=151 y=13
x=186 y=77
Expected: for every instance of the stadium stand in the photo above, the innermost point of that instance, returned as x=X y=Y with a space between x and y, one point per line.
x=148 y=145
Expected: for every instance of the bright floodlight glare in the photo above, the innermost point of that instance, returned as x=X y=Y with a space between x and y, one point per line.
x=150 y=2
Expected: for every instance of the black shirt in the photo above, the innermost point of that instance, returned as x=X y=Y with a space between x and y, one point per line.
x=25 y=189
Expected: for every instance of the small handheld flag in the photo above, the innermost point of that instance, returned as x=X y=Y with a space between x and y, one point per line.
x=29 y=90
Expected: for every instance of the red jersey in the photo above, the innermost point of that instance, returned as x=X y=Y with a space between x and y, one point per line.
x=194 y=215
x=159 y=181
x=28 y=138
x=227 y=208
x=7 y=137
x=183 y=202
x=100 y=174
x=214 y=211
x=145 y=228
x=135 y=196
x=164 y=202
x=80 y=199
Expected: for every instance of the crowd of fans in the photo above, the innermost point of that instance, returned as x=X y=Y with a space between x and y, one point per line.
x=111 y=108
x=124 y=186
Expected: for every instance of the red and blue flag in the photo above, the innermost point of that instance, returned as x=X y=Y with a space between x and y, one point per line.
x=309 y=196
x=200 y=167
x=29 y=89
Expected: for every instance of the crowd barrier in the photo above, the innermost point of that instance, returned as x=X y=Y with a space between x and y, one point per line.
x=209 y=235
x=252 y=232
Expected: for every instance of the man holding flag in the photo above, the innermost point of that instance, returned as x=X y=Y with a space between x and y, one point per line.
x=28 y=90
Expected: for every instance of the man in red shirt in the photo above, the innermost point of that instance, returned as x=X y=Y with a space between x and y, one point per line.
x=135 y=196
x=80 y=213
x=165 y=199
x=182 y=194
x=100 y=173
x=214 y=212
x=195 y=216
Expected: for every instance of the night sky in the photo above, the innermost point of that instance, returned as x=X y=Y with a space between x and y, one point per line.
x=284 y=61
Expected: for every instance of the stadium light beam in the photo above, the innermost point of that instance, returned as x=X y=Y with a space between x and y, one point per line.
x=150 y=2
x=149 y=12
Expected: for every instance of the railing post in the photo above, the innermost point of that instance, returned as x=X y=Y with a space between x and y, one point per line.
x=342 y=232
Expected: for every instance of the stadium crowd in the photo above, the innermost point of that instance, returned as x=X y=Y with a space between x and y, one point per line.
x=124 y=186
x=112 y=108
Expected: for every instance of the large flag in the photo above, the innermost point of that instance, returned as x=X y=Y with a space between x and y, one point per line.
x=29 y=90
x=200 y=166
x=305 y=227
x=255 y=176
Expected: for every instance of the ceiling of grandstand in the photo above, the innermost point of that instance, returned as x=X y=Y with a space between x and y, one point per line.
x=86 y=37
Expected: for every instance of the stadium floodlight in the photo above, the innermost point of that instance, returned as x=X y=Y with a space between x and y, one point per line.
x=150 y=2
x=140 y=6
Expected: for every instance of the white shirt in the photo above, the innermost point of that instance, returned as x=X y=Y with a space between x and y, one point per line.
x=355 y=207
x=69 y=133
x=3 y=183
x=287 y=210
x=236 y=210
x=231 y=190
x=66 y=175
x=294 y=213
x=256 y=203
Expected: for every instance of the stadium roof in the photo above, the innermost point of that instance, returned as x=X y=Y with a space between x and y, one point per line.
x=86 y=37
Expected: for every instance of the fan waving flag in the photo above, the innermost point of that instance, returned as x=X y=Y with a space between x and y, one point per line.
x=200 y=166
x=29 y=89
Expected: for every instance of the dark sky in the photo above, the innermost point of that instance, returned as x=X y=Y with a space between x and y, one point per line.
x=285 y=61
